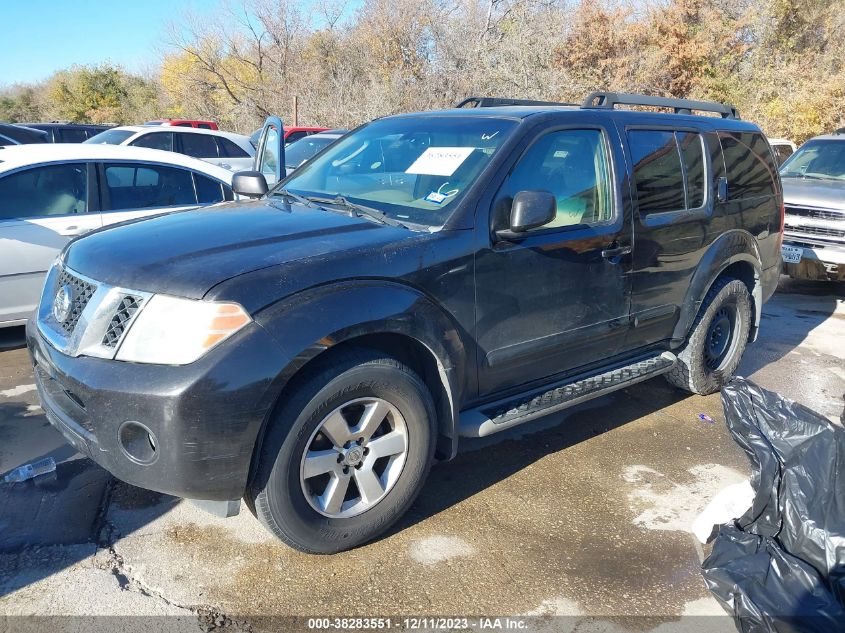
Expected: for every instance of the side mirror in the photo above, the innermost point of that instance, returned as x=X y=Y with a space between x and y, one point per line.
x=251 y=184
x=530 y=209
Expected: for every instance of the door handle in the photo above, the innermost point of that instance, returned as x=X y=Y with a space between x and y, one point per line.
x=615 y=252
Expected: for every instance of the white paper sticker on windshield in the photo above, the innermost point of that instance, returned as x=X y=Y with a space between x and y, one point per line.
x=440 y=161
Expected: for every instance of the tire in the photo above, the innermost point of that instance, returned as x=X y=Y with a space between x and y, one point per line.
x=699 y=368
x=306 y=431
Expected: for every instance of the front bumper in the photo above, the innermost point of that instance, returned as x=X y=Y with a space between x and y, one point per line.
x=826 y=254
x=205 y=417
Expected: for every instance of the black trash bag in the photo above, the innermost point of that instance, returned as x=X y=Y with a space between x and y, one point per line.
x=781 y=566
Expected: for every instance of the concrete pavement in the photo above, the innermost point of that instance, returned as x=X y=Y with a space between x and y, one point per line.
x=585 y=514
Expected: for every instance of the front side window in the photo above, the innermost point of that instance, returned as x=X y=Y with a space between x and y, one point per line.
x=51 y=190
x=669 y=170
x=110 y=137
x=145 y=186
x=411 y=169
x=305 y=149
x=198 y=145
x=572 y=165
x=749 y=164
x=821 y=159
x=155 y=140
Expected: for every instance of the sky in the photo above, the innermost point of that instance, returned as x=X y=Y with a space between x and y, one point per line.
x=40 y=37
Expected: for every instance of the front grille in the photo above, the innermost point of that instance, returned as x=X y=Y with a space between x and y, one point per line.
x=81 y=292
x=819 y=214
x=121 y=319
x=817 y=230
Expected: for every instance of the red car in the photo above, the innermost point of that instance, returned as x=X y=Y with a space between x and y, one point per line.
x=291 y=133
x=205 y=125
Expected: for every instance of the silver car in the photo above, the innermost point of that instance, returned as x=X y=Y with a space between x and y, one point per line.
x=51 y=193
x=814 y=203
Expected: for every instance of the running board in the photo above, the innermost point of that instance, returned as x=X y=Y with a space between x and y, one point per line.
x=503 y=414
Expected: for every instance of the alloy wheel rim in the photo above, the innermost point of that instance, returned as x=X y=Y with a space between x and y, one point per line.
x=354 y=457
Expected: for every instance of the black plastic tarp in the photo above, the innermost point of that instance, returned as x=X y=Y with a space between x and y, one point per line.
x=781 y=566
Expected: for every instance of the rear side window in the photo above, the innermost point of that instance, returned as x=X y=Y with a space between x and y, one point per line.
x=198 y=145
x=749 y=165
x=44 y=191
x=72 y=136
x=155 y=140
x=145 y=186
x=204 y=126
x=668 y=170
x=229 y=149
x=208 y=190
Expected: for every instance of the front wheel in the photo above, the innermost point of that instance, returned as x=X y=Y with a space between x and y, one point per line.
x=717 y=339
x=347 y=455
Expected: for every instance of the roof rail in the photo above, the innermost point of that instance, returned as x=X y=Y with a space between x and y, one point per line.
x=609 y=100
x=491 y=102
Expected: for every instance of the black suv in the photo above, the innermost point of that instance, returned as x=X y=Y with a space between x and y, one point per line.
x=62 y=132
x=426 y=277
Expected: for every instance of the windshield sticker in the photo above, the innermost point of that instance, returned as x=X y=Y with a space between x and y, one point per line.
x=440 y=161
x=436 y=198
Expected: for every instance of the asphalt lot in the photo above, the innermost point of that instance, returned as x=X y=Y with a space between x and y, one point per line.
x=585 y=514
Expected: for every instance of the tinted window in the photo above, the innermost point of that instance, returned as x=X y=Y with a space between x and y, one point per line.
x=204 y=126
x=294 y=136
x=71 y=136
x=155 y=140
x=571 y=164
x=182 y=125
x=230 y=149
x=145 y=186
x=111 y=137
x=198 y=145
x=657 y=170
x=6 y=141
x=48 y=190
x=208 y=190
x=749 y=164
x=782 y=152
x=692 y=153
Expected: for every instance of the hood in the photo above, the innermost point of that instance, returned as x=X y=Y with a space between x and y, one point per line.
x=189 y=252
x=809 y=192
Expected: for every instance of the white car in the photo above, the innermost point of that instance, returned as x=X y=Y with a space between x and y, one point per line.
x=230 y=151
x=54 y=192
x=782 y=148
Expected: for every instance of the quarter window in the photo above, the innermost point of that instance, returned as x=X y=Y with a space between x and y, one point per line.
x=749 y=163
x=668 y=170
x=44 y=191
x=146 y=186
x=573 y=166
x=198 y=145
x=230 y=149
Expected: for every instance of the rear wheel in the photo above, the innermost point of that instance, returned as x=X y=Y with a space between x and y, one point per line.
x=346 y=455
x=717 y=339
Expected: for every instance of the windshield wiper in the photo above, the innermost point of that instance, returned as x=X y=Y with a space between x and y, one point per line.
x=295 y=196
x=360 y=210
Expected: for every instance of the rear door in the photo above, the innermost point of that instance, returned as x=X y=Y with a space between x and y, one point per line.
x=270 y=156
x=41 y=209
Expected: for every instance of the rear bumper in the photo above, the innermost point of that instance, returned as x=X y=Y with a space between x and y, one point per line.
x=204 y=417
x=827 y=254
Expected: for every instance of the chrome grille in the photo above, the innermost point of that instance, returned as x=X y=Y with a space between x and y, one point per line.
x=817 y=230
x=81 y=292
x=819 y=214
x=120 y=321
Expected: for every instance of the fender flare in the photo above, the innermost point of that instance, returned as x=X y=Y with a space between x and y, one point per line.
x=313 y=321
x=730 y=248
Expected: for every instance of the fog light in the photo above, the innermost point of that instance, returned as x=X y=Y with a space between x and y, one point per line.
x=137 y=442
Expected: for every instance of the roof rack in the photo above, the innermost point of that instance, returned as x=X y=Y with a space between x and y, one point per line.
x=492 y=102
x=609 y=100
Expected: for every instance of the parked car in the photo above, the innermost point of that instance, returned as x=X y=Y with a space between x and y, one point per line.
x=428 y=276
x=195 y=123
x=782 y=149
x=58 y=132
x=814 y=198
x=11 y=134
x=300 y=152
x=50 y=194
x=228 y=150
x=292 y=133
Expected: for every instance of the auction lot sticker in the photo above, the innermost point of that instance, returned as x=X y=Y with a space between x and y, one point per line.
x=440 y=161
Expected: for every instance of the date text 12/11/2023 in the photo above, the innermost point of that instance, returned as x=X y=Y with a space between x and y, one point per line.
x=418 y=623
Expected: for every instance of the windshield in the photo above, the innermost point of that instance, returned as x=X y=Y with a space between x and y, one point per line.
x=410 y=169
x=110 y=137
x=817 y=159
x=299 y=151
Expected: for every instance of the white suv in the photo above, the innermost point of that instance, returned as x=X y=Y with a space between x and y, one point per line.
x=230 y=151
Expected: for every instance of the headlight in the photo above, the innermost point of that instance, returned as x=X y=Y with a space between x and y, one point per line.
x=174 y=331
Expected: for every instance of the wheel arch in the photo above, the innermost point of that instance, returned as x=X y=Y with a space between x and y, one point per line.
x=733 y=254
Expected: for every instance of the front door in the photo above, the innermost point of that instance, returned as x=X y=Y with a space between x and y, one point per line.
x=41 y=209
x=555 y=298
x=270 y=156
